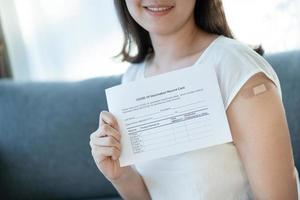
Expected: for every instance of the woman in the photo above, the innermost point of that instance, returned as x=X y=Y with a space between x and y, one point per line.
x=258 y=164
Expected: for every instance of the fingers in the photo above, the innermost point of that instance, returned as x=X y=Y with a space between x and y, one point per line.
x=108 y=118
x=106 y=130
x=100 y=153
x=106 y=142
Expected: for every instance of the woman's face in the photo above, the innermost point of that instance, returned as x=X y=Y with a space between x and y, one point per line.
x=161 y=16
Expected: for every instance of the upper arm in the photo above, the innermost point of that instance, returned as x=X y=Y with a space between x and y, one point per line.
x=260 y=133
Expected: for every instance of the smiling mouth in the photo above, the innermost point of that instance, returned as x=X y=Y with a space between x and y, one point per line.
x=158 y=9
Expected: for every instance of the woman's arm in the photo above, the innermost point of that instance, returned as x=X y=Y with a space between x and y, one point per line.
x=260 y=133
x=131 y=186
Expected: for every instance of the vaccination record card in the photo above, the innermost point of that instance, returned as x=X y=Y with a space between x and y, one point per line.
x=168 y=114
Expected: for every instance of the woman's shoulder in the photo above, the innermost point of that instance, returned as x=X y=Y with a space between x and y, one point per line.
x=233 y=56
x=235 y=62
x=237 y=51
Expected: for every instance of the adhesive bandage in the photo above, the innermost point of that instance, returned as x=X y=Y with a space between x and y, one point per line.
x=256 y=90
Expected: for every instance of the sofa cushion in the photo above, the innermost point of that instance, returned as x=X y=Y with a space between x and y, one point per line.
x=44 y=139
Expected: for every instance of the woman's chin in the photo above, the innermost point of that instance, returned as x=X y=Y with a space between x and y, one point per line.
x=161 y=30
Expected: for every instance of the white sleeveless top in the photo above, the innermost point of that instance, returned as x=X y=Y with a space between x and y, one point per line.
x=215 y=172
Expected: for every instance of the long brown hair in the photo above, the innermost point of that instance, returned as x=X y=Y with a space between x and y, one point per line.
x=209 y=16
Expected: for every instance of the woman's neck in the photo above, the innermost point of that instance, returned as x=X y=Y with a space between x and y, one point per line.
x=172 y=49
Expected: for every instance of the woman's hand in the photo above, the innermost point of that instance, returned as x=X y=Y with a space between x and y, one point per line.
x=106 y=147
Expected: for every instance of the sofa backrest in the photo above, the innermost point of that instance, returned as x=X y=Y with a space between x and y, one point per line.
x=287 y=67
x=44 y=139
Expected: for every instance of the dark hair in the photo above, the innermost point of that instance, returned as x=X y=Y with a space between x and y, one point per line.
x=209 y=16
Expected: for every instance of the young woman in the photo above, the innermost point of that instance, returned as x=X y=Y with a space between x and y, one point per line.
x=171 y=34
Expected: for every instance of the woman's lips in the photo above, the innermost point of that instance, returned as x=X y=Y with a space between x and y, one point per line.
x=158 y=10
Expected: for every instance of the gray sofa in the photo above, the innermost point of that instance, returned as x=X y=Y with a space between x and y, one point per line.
x=45 y=128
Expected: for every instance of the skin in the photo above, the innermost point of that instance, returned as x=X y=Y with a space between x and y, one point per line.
x=263 y=141
x=105 y=147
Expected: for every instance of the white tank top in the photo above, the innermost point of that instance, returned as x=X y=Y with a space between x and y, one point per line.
x=216 y=172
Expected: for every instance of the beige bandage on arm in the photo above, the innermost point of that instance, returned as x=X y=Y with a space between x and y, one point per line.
x=257 y=90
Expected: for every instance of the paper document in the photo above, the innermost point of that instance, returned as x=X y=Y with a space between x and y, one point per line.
x=168 y=114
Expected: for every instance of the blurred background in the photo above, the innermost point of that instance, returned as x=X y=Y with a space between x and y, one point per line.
x=43 y=122
x=42 y=40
